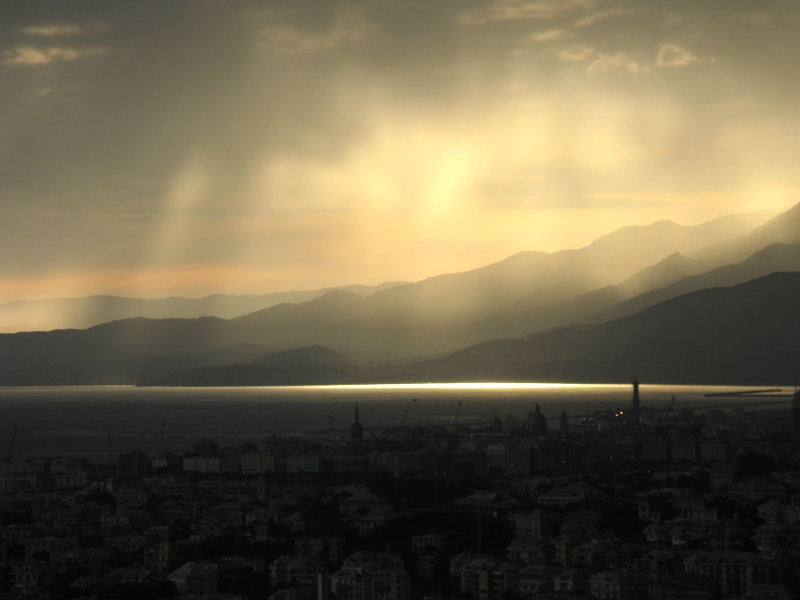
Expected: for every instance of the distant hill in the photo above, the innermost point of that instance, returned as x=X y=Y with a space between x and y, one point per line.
x=525 y=317
x=772 y=259
x=674 y=276
x=302 y=366
x=123 y=352
x=82 y=313
x=312 y=355
x=443 y=313
x=748 y=334
x=783 y=228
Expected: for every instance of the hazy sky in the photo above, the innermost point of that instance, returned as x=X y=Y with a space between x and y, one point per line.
x=152 y=148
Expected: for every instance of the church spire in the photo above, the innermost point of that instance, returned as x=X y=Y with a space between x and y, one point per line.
x=356 y=432
x=563 y=424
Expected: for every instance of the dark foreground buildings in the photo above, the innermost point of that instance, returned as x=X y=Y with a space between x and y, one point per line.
x=627 y=504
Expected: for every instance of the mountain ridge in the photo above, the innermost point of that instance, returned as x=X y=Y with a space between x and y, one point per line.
x=614 y=350
x=81 y=313
x=523 y=294
x=685 y=339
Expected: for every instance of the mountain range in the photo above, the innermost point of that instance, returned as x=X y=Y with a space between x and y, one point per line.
x=574 y=315
x=82 y=313
x=748 y=334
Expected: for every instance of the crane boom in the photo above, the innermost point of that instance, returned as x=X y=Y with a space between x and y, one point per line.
x=458 y=412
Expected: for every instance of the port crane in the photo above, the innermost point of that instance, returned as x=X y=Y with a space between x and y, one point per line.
x=458 y=412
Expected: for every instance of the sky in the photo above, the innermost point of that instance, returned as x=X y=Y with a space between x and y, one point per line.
x=157 y=148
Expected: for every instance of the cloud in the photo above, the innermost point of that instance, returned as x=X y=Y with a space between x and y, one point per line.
x=65 y=29
x=599 y=16
x=671 y=55
x=575 y=53
x=614 y=62
x=551 y=35
x=511 y=10
x=554 y=35
x=349 y=27
x=28 y=56
x=52 y=30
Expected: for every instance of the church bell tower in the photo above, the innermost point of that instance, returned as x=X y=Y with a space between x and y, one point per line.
x=356 y=432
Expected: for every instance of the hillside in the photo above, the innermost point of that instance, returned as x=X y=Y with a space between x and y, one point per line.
x=746 y=334
x=772 y=259
x=526 y=292
x=303 y=366
x=82 y=313
x=783 y=228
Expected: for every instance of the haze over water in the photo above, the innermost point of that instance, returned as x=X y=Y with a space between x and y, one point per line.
x=76 y=420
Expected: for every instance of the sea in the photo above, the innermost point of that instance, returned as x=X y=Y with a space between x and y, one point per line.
x=97 y=421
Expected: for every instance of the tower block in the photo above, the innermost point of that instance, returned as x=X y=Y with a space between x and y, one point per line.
x=635 y=405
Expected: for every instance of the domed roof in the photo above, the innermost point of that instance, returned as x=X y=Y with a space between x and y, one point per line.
x=538 y=421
